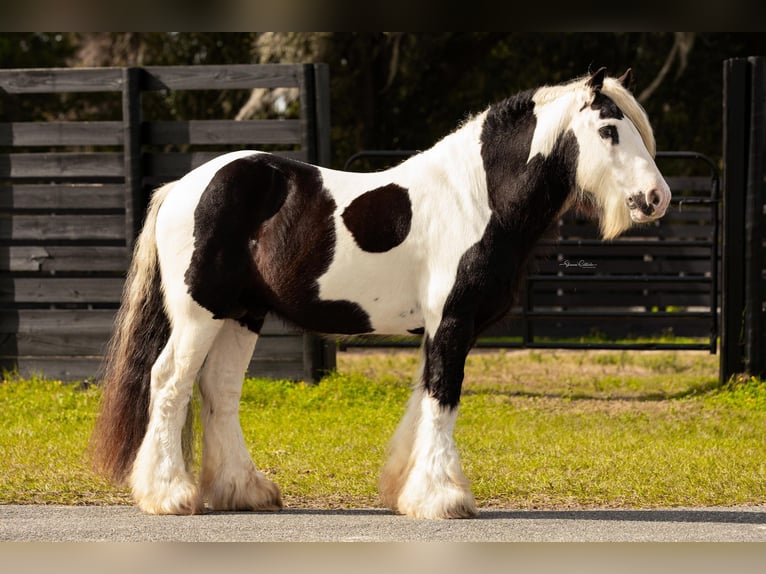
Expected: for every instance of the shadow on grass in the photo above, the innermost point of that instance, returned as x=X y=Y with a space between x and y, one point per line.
x=694 y=391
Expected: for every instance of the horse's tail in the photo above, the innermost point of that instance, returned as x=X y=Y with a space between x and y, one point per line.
x=140 y=333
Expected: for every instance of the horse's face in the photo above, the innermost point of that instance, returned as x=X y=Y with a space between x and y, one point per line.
x=615 y=166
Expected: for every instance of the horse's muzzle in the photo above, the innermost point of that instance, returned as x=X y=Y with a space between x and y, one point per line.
x=649 y=205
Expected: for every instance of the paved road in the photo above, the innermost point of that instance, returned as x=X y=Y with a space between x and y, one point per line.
x=127 y=524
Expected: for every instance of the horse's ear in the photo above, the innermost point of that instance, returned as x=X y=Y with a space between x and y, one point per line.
x=597 y=80
x=626 y=79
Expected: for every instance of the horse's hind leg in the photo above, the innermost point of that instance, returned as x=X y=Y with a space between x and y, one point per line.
x=230 y=480
x=160 y=481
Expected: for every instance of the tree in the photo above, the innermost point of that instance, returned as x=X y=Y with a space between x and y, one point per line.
x=406 y=90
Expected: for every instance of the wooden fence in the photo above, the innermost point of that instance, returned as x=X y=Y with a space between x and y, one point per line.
x=73 y=190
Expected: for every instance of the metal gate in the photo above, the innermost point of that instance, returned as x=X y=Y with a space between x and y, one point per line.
x=656 y=287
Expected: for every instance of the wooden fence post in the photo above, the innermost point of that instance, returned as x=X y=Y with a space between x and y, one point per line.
x=755 y=322
x=743 y=295
x=319 y=354
x=131 y=119
x=733 y=236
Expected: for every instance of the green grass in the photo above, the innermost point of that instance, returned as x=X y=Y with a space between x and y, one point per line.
x=44 y=431
x=537 y=429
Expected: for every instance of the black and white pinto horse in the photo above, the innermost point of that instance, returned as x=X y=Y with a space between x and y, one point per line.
x=434 y=245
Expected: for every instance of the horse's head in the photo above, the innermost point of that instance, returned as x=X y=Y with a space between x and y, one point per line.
x=616 y=171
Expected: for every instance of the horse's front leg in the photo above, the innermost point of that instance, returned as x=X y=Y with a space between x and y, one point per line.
x=423 y=477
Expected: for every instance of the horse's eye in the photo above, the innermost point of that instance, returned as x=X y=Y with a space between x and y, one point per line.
x=609 y=132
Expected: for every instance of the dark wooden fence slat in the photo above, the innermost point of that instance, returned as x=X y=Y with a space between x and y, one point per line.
x=93 y=342
x=79 y=368
x=32 y=321
x=735 y=144
x=592 y=265
x=64 y=368
x=60 y=80
x=617 y=300
x=63 y=227
x=176 y=164
x=61 y=165
x=249 y=132
x=616 y=249
x=755 y=230
x=55 y=197
x=242 y=76
x=83 y=290
x=61 y=134
x=570 y=231
x=59 y=259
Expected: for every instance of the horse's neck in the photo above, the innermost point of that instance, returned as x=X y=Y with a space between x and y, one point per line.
x=453 y=165
x=530 y=160
x=485 y=165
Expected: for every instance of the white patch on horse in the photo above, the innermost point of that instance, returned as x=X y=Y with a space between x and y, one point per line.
x=406 y=288
x=553 y=116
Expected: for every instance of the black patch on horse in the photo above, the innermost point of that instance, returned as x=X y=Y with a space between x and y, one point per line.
x=610 y=133
x=525 y=195
x=263 y=235
x=525 y=198
x=379 y=219
x=606 y=106
x=638 y=201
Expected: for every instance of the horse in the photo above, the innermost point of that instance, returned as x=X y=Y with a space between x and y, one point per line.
x=433 y=246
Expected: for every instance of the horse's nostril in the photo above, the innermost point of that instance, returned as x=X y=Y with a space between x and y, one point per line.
x=653 y=197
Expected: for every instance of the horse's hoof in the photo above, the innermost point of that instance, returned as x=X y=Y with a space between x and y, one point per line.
x=253 y=492
x=179 y=498
x=450 y=502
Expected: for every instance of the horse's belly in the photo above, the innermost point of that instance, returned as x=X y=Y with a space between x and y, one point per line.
x=383 y=285
x=399 y=319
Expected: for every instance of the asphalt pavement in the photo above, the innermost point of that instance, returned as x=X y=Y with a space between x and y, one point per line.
x=128 y=524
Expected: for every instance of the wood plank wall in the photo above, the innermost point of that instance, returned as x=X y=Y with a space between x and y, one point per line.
x=73 y=192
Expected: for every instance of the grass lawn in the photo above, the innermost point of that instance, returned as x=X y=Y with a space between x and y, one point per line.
x=537 y=429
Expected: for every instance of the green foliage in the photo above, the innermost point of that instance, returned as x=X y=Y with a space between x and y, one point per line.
x=35 y=50
x=395 y=90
